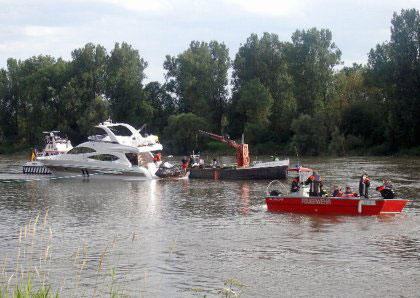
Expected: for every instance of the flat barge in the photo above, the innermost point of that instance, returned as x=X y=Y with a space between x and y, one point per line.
x=269 y=170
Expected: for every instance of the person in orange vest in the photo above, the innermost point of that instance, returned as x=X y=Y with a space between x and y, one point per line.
x=295 y=185
x=364 y=184
x=157 y=157
x=33 y=155
x=184 y=164
x=337 y=192
x=349 y=193
x=315 y=181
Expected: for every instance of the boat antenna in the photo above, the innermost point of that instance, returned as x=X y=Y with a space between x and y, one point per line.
x=243 y=138
x=297 y=156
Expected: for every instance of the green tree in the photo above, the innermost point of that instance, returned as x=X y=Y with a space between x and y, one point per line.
x=311 y=59
x=181 y=132
x=358 y=107
x=264 y=59
x=162 y=103
x=395 y=68
x=198 y=79
x=309 y=135
x=83 y=94
x=7 y=110
x=254 y=105
x=337 y=144
x=28 y=98
x=124 y=89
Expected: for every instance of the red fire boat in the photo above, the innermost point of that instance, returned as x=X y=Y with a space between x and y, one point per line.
x=279 y=199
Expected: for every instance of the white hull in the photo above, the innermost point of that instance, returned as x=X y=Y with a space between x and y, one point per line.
x=72 y=171
x=271 y=164
x=61 y=167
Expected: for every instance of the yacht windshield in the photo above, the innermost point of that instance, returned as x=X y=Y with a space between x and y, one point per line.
x=81 y=150
x=97 y=134
x=104 y=157
x=120 y=130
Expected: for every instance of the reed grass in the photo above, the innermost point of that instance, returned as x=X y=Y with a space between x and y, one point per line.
x=33 y=259
x=29 y=274
x=233 y=288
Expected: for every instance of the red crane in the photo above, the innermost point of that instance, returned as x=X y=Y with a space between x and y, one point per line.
x=242 y=152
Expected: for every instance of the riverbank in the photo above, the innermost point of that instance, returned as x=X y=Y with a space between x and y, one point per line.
x=272 y=149
x=267 y=149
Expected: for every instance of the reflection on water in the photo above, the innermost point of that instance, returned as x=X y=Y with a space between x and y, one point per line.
x=245 y=199
x=177 y=238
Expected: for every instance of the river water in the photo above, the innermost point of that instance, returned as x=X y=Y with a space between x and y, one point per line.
x=187 y=238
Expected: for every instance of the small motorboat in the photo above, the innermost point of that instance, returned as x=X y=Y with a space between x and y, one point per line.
x=280 y=199
x=169 y=171
x=55 y=145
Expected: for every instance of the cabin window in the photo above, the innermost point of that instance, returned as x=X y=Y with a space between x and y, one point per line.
x=104 y=157
x=81 y=150
x=132 y=158
x=120 y=130
x=97 y=134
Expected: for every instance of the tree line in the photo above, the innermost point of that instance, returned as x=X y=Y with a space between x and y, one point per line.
x=284 y=96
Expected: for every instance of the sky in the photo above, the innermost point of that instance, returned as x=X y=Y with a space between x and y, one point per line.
x=166 y=27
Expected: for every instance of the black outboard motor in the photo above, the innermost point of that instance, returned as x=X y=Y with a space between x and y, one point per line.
x=387 y=194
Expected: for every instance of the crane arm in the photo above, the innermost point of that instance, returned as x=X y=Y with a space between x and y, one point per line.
x=220 y=138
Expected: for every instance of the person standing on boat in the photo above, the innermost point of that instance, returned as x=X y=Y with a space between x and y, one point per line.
x=364 y=184
x=33 y=155
x=315 y=182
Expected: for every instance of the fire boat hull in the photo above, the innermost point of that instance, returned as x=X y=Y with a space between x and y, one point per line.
x=279 y=172
x=334 y=206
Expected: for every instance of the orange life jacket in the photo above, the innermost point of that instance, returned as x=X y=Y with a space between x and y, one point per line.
x=350 y=194
x=156 y=157
x=380 y=188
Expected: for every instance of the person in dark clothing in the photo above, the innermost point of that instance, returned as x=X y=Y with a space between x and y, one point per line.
x=315 y=182
x=295 y=185
x=364 y=184
x=386 y=190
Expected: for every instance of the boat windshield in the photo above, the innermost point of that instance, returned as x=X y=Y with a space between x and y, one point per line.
x=120 y=130
x=81 y=150
x=98 y=134
x=300 y=172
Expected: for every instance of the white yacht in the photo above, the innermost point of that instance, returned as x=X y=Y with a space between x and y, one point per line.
x=55 y=144
x=113 y=149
